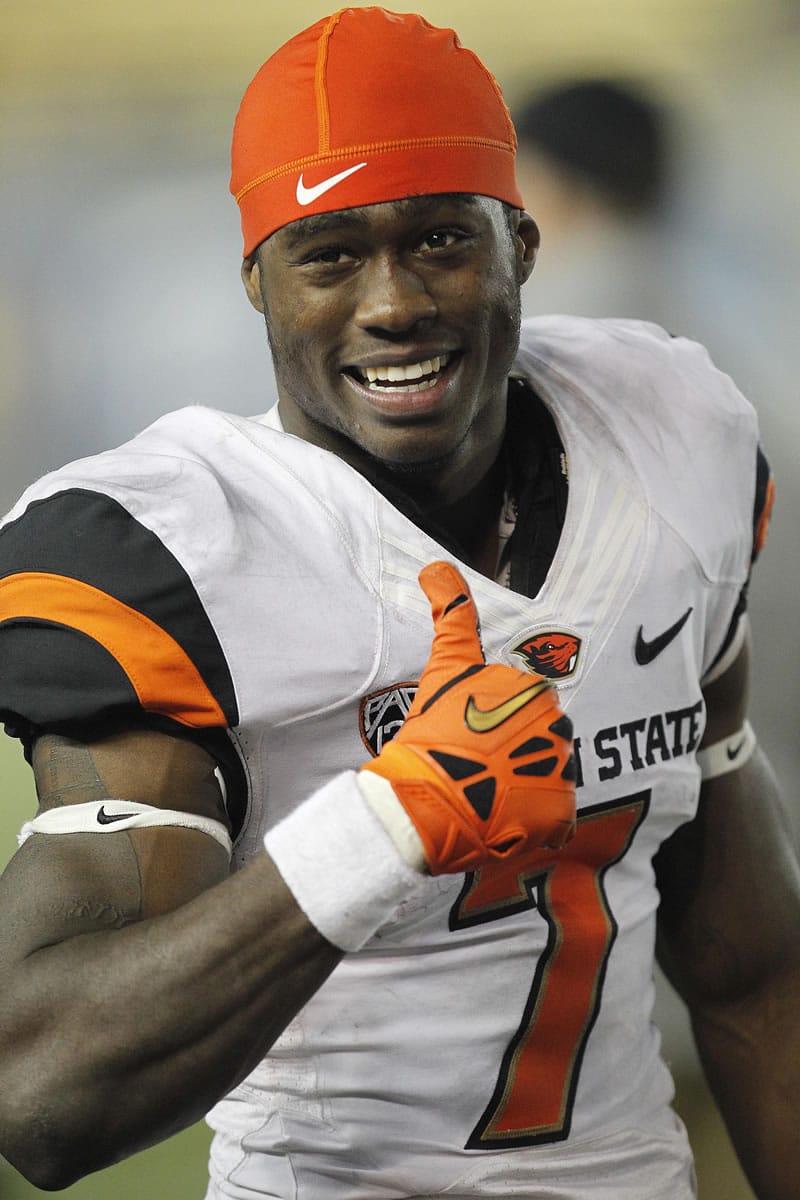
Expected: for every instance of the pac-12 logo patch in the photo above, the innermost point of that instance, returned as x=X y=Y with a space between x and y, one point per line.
x=553 y=654
x=382 y=713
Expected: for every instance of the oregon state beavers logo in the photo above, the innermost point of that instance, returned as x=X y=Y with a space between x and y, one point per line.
x=552 y=654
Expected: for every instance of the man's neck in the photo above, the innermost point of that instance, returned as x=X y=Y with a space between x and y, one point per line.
x=466 y=524
x=457 y=500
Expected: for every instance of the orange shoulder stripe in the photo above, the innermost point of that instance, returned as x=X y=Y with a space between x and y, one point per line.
x=163 y=676
x=763 y=520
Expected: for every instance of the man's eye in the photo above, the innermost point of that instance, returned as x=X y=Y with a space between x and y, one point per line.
x=331 y=255
x=439 y=239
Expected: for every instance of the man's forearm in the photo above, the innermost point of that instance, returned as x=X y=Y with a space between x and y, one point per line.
x=751 y=1057
x=115 y=1039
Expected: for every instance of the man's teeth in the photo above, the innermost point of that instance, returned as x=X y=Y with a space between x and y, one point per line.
x=411 y=374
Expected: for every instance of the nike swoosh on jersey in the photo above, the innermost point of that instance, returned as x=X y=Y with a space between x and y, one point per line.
x=482 y=720
x=645 y=651
x=307 y=195
x=104 y=818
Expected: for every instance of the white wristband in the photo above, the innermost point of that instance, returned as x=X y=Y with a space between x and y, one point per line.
x=340 y=863
x=728 y=754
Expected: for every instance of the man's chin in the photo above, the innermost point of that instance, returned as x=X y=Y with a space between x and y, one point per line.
x=414 y=462
x=416 y=466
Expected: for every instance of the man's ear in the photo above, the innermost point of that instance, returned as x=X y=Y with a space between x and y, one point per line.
x=251 y=278
x=528 y=235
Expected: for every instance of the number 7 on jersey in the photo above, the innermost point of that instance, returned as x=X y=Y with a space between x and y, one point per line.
x=535 y=1088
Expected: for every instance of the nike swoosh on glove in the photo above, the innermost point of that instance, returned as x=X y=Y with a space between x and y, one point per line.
x=483 y=763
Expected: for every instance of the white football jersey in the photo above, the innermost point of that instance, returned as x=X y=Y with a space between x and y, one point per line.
x=494 y=1037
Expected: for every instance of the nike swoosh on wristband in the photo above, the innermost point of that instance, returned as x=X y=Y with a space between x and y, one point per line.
x=482 y=720
x=104 y=818
x=735 y=751
x=645 y=651
x=307 y=195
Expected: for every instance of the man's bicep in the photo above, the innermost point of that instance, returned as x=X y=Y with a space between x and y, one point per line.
x=727 y=877
x=143 y=766
x=730 y=887
x=61 y=885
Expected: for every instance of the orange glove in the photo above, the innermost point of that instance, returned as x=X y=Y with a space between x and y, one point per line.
x=483 y=763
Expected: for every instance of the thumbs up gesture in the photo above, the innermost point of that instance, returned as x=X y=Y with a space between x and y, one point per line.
x=483 y=763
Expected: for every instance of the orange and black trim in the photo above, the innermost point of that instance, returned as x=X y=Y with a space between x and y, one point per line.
x=162 y=676
x=762 y=511
x=97 y=615
x=101 y=628
x=762 y=507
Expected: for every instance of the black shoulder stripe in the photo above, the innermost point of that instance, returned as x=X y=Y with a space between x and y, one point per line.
x=89 y=537
x=58 y=678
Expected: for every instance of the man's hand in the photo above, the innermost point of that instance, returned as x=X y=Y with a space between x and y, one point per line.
x=483 y=763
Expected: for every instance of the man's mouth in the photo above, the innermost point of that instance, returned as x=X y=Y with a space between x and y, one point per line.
x=409 y=377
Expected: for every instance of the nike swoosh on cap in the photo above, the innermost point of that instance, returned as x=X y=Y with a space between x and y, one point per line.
x=307 y=195
x=645 y=651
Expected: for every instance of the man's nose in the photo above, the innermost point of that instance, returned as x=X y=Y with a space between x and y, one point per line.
x=393 y=297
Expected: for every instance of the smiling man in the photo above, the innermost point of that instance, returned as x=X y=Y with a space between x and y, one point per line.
x=393 y=327
x=409 y=326
x=378 y=738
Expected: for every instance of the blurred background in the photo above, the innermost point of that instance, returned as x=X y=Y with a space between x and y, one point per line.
x=669 y=189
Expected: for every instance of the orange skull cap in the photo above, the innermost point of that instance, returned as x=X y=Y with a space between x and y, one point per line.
x=363 y=107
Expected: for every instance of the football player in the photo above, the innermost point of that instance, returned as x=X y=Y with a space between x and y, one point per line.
x=377 y=738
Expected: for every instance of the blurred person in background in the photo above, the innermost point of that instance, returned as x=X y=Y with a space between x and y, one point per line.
x=594 y=162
